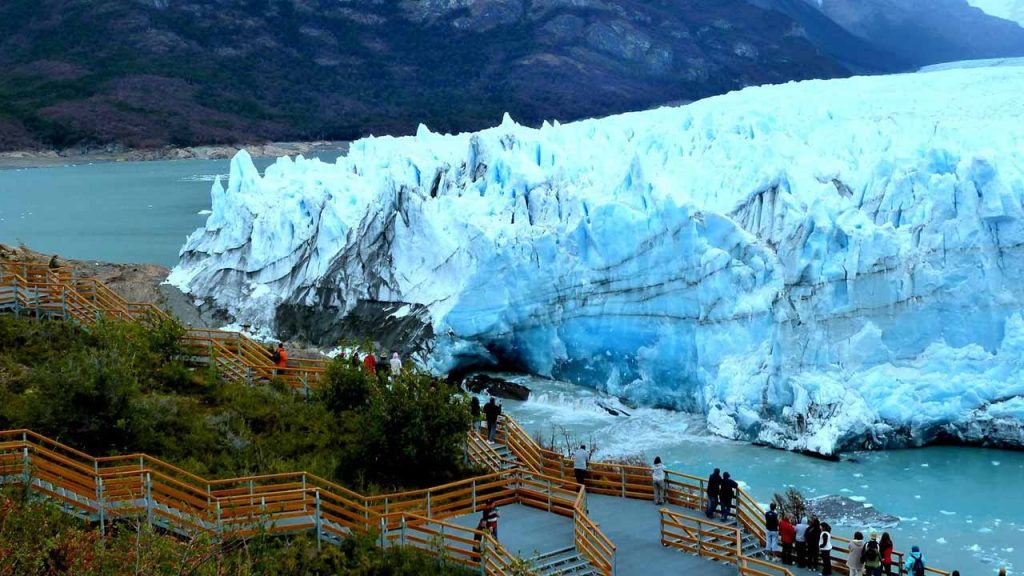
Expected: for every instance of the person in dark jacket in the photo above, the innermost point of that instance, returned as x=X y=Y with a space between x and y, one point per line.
x=491 y=412
x=714 y=487
x=771 y=529
x=813 y=535
x=474 y=412
x=787 y=534
x=726 y=494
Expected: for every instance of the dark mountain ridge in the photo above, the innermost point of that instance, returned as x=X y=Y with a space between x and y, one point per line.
x=145 y=73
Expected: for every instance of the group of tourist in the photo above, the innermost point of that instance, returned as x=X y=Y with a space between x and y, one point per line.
x=721 y=491
x=491 y=412
x=374 y=366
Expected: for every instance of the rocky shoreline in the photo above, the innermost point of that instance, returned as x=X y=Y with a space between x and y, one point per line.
x=118 y=153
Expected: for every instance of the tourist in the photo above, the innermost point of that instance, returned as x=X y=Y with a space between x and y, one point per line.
x=396 y=364
x=771 y=530
x=887 y=548
x=726 y=493
x=491 y=517
x=353 y=360
x=714 y=488
x=825 y=546
x=370 y=363
x=787 y=534
x=855 y=556
x=280 y=356
x=1002 y=571
x=579 y=463
x=915 y=562
x=481 y=526
x=474 y=412
x=813 y=534
x=658 y=476
x=54 y=263
x=873 y=556
x=801 y=542
x=491 y=413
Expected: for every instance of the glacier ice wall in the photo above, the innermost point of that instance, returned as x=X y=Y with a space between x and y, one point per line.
x=819 y=265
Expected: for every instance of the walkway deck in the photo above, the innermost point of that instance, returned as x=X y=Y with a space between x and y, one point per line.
x=527 y=532
x=635 y=528
x=633 y=525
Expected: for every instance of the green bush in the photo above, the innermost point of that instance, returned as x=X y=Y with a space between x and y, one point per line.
x=120 y=388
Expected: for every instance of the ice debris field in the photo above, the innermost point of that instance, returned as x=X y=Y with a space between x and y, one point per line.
x=820 y=265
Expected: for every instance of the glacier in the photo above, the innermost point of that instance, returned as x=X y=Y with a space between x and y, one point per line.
x=819 y=266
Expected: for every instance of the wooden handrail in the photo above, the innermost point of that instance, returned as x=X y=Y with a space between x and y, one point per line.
x=138 y=484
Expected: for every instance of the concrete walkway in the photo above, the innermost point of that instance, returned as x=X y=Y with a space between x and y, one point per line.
x=527 y=532
x=634 y=526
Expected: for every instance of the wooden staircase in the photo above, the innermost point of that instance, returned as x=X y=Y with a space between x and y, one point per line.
x=59 y=293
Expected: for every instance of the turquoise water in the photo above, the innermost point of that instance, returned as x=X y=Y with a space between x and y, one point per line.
x=116 y=212
x=962 y=505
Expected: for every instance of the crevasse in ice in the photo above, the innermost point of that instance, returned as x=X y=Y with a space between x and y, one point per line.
x=819 y=265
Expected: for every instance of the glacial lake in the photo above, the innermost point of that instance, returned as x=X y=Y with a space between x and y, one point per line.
x=963 y=506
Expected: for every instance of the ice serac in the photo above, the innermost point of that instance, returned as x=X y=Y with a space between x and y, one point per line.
x=820 y=265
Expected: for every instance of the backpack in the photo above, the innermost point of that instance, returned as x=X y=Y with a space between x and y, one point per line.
x=871 y=553
x=918 y=569
x=276 y=356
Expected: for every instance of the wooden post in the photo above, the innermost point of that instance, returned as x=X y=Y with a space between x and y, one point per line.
x=474 y=494
x=622 y=479
x=100 y=506
x=383 y=532
x=428 y=504
x=26 y=468
x=402 y=535
x=149 y=500
x=316 y=495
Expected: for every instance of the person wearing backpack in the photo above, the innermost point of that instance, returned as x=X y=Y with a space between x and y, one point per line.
x=855 y=557
x=872 y=556
x=825 y=547
x=915 y=562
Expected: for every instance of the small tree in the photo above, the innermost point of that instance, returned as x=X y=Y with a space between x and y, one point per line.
x=791 y=504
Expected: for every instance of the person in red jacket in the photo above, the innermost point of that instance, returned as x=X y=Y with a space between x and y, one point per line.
x=280 y=356
x=371 y=363
x=787 y=535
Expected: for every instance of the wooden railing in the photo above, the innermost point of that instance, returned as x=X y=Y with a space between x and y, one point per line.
x=589 y=540
x=701 y=537
x=139 y=486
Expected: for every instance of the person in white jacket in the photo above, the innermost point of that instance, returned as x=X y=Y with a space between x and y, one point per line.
x=396 y=364
x=658 y=475
x=825 y=548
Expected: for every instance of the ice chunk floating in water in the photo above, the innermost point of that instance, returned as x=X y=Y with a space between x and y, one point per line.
x=819 y=265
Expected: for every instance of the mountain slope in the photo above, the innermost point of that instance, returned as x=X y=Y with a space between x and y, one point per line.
x=925 y=32
x=152 y=72
x=855 y=52
x=1007 y=9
